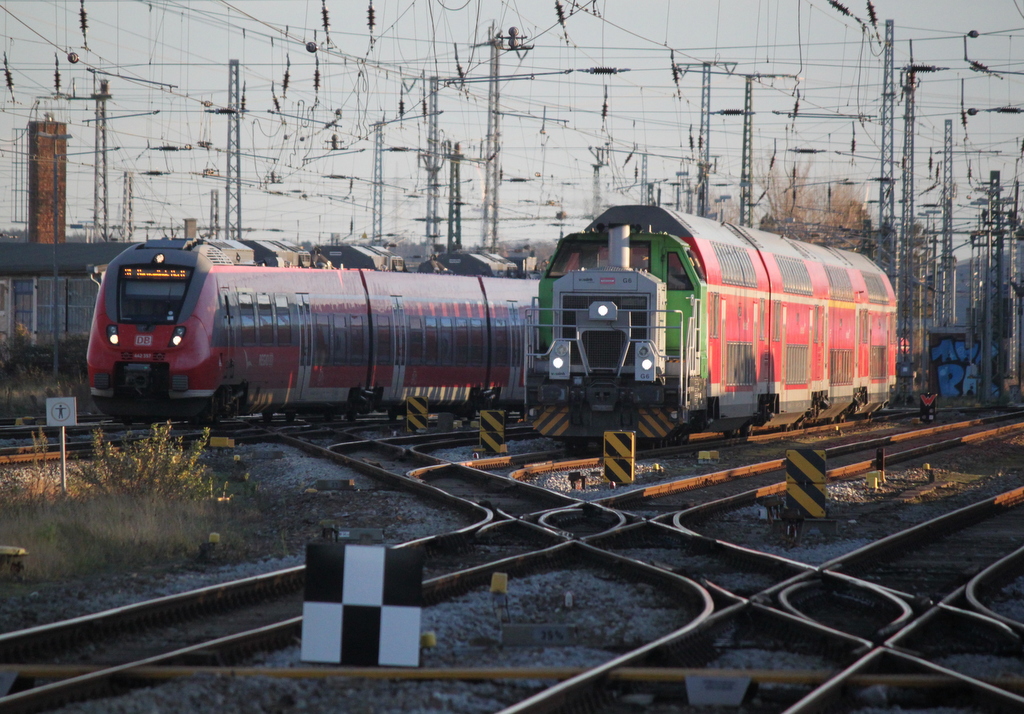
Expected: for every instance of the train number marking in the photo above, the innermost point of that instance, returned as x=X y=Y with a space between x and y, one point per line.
x=143 y=340
x=266 y=360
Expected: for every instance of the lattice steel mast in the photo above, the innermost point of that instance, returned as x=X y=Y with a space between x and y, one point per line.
x=233 y=192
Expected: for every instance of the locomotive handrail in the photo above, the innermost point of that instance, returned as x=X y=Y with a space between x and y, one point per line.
x=533 y=325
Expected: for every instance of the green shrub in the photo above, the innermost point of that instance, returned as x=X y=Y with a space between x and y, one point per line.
x=18 y=356
x=157 y=465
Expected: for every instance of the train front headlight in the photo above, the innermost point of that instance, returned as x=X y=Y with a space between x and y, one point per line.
x=112 y=336
x=177 y=336
x=646 y=369
x=559 y=366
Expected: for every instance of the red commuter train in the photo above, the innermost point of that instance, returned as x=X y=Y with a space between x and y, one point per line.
x=186 y=329
x=666 y=324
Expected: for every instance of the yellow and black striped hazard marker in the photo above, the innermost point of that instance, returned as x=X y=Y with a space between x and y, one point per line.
x=654 y=422
x=619 y=456
x=492 y=431
x=805 y=482
x=415 y=413
x=552 y=421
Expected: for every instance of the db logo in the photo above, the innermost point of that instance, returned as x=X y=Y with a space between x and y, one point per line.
x=143 y=340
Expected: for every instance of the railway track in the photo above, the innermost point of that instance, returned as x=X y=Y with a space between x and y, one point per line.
x=838 y=615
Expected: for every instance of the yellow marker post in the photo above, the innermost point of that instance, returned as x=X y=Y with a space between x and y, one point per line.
x=620 y=457
x=492 y=431
x=416 y=413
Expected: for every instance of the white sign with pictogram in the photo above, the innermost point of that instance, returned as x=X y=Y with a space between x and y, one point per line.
x=61 y=411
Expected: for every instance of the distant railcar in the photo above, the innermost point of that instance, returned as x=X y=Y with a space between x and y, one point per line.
x=181 y=330
x=668 y=324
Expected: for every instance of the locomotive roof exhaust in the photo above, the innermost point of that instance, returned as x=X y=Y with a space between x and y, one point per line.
x=618 y=246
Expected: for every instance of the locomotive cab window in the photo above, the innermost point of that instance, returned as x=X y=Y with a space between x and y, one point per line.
x=677 y=276
x=151 y=295
x=593 y=255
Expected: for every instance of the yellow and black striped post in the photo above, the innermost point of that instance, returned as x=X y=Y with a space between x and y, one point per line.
x=416 y=412
x=805 y=482
x=619 y=456
x=492 y=431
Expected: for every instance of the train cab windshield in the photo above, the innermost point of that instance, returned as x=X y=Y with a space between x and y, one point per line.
x=593 y=255
x=150 y=295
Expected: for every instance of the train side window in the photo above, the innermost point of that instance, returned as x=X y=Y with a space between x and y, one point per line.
x=776 y=320
x=247 y=318
x=265 y=313
x=430 y=340
x=499 y=356
x=444 y=341
x=760 y=320
x=356 y=340
x=863 y=327
x=415 y=340
x=816 y=325
x=640 y=256
x=384 y=353
x=461 y=340
x=340 y=338
x=476 y=341
x=322 y=340
x=284 y=321
x=716 y=318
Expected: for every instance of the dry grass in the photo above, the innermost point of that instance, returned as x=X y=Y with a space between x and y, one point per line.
x=26 y=395
x=73 y=537
x=106 y=524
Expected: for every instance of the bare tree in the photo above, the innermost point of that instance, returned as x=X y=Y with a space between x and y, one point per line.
x=826 y=212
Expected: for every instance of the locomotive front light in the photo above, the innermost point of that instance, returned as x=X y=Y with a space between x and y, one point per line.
x=177 y=336
x=646 y=362
x=112 y=337
x=159 y=258
x=559 y=366
x=604 y=311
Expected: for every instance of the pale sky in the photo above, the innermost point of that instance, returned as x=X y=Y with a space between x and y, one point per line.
x=172 y=58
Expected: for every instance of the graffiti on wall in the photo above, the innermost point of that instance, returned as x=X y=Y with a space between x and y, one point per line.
x=955 y=366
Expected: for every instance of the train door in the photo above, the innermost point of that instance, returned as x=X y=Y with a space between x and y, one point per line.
x=305 y=328
x=860 y=338
x=783 y=356
x=723 y=347
x=399 y=341
x=515 y=347
x=228 y=339
x=763 y=356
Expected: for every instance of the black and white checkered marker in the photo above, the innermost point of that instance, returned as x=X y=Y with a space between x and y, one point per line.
x=362 y=605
